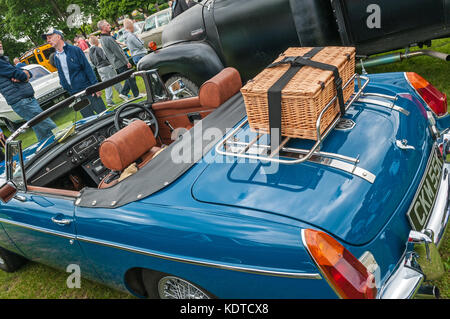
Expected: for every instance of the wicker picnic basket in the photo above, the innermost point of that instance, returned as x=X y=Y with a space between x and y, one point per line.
x=305 y=95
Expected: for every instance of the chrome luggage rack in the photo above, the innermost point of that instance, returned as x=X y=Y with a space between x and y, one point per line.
x=231 y=146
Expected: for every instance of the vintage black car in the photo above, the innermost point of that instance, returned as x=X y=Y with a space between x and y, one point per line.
x=249 y=34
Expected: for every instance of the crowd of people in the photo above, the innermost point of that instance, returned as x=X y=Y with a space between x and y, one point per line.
x=75 y=65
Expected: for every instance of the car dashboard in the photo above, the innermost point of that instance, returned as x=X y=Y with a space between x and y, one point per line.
x=76 y=163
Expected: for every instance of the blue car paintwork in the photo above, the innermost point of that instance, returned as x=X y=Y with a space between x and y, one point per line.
x=347 y=206
x=217 y=217
x=7 y=243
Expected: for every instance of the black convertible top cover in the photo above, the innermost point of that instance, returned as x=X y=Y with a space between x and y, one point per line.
x=162 y=171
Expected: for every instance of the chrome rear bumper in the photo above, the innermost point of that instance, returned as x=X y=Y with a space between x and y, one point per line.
x=407 y=279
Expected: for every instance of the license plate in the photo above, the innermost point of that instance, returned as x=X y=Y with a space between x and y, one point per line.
x=423 y=202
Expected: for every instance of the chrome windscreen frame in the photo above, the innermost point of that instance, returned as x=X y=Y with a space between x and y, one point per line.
x=11 y=164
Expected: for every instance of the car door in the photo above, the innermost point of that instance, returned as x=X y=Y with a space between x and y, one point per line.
x=39 y=220
x=43 y=228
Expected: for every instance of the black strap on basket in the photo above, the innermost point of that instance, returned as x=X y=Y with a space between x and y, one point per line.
x=274 y=93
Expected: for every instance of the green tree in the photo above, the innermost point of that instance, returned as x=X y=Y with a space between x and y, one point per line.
x=110 y=10
x=113 y=10
x=31 y=18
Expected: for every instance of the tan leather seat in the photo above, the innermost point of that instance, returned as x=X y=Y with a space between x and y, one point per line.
x=220 y=88
x=212 y=94
x=133 y=143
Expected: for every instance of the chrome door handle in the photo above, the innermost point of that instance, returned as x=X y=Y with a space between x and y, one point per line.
x=20 y=198
x=403 y=144
x=61 y=222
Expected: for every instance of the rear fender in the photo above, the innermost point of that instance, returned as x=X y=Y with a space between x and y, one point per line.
x=195 y=60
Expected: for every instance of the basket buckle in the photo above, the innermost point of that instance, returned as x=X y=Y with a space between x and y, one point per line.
x=289 y=59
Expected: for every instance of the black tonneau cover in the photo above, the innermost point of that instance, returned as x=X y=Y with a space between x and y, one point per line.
x=162 y=171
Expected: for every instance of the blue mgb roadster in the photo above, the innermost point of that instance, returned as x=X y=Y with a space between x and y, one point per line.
x=178 y=198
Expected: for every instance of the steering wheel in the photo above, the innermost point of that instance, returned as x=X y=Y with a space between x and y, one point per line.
x=150 y=119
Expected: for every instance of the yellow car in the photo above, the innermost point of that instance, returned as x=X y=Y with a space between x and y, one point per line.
x=39 y=55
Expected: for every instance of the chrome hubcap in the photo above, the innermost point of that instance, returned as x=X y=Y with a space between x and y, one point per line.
x=176 y=288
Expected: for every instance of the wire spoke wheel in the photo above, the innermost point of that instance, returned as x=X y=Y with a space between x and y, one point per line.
x=177 y=288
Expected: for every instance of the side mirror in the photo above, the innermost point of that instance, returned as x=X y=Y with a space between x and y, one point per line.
x=78 y=106
x=8 y=191
x=176 y=87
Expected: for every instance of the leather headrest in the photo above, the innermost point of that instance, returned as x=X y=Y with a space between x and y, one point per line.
x=220 y=88
x=126 y=146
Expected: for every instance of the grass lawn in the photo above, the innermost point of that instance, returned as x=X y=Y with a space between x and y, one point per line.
x=437 y=72
x=36 y=281
x=39 y=281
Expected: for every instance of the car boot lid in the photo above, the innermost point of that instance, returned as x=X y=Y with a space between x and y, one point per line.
x=388 y=143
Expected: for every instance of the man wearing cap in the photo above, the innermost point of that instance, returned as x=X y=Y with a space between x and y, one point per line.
x=75 y=73
x=19 y=94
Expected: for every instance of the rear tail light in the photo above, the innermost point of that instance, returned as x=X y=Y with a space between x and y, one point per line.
x=347 y=275
x=436 y=100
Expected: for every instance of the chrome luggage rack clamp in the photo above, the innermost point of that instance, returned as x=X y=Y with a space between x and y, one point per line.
x=230 y=146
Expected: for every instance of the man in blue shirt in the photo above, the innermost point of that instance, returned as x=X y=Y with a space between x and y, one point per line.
x=19 y=94
x=75 y=72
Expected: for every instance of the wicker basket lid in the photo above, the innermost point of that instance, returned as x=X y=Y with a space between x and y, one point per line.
x=308 y=81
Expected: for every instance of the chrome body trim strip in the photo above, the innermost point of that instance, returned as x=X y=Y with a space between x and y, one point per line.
x=38 y=229
x=258 y=271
